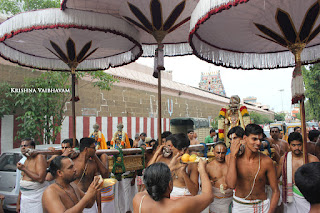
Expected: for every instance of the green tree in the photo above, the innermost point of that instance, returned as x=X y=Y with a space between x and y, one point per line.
x=257 y=118
x=280 y=116
x=214 y=123
x=12 y=7
x=311 y=77
x=42 y=113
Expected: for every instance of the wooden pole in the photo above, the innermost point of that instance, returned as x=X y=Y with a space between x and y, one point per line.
x=304 y=132
x=73 y=74
x=159 y=108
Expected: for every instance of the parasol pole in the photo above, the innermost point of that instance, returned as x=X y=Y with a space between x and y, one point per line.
x=296 y=49
x=159 y=58
x=73 y=79
x=304 y=131
x=159 y=108
x=158 y=66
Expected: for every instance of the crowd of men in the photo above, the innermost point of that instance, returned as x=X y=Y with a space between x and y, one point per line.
x=244 y=180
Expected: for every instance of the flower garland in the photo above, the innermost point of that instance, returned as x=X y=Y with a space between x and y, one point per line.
x=244 y=111
x=222 y=116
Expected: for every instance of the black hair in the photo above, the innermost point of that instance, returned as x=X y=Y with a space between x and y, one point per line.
x=275 y=127
x=56 y=165
x=308 y=181
x=212 y=130
x=190 y=130
x=238 y=130
x=253 y=129
x=31 y=141
x=295 y=136
x=143 y=134
x=131 y=142
x=313 y=134
x=86 y=142
x=157 y=177
x=179 y=140
x=220 y=143
x=297 y=127
x=165 y=134
x=155 y=145
x=69 y=141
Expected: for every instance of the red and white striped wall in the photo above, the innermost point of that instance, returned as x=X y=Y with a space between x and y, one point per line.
x=108 y=125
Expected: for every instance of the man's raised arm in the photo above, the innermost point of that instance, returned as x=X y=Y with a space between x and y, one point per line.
x=231 y=178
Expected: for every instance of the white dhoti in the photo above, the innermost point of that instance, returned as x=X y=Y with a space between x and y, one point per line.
x=124 y=194
x=299 y=204
x=221 y=202
x=241 y=205
x=93 y=209
x=31 y=196
x=107 y=200
x=178 y=192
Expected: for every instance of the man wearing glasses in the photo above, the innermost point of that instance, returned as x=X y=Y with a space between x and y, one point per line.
x=32 y=183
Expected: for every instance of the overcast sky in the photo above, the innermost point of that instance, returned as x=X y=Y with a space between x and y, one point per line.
x=262 y=84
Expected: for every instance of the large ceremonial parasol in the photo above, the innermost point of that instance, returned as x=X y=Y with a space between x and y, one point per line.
x=69 y=40
x=163 y=26
x=259 y=35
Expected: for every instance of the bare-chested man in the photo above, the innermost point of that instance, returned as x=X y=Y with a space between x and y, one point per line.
x=32 y=184
x=185 y=177
x=217 y=170
x=314 y=143
x=292 y=198
x=193 y=140
x=88 y=165
x=63 y=195
x=249 y=173
x=280 y=145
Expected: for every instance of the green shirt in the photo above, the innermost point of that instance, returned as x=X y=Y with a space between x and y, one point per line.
x=208 y=139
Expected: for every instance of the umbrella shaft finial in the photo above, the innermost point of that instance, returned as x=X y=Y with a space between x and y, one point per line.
x=73 y=66
x=297 y=49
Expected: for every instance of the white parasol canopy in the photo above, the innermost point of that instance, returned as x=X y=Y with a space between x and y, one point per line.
x=26 y=39
x=223 y=32
x=146 y=15
x=69 y=40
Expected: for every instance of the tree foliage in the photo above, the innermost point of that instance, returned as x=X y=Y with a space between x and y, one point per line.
x=257 y=118
x=42 y=113
x=12 y=7
x=214 y=123
x=311 y=77
x=280 y=116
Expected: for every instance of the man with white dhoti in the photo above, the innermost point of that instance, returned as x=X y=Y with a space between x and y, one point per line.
x=249 y=173
x=32 y=183
x=125 y=190
x=217 y=170
x=293 y=200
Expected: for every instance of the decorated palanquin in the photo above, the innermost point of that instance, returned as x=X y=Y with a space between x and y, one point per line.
x=231 y=116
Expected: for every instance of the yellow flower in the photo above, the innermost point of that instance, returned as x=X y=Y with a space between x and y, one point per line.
x=221 y=135
x=244 y=111
x=222 y=113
